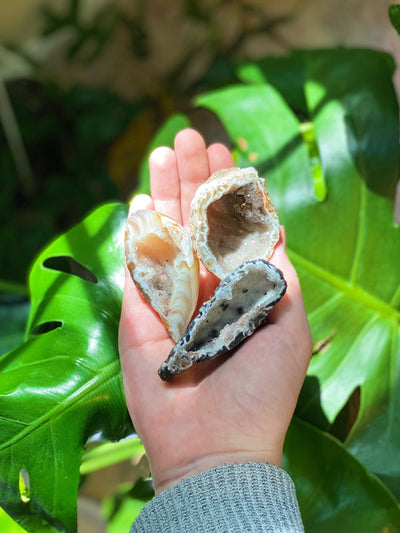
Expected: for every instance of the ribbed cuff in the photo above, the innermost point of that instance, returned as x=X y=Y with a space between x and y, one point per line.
x=238 y=498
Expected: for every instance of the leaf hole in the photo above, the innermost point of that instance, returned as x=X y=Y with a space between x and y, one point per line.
x=317 y=173
x=24 y=486
x=46 y=327
x=346 y=418
x=68 y=265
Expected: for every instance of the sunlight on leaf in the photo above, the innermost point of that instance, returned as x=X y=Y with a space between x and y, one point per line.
x=110 y=453
x=24 y=486
x=307 y=132
x=64 y=384
x=7 y=524
x=346 y=249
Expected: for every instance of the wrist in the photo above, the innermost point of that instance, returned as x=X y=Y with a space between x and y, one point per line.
x=164 y=480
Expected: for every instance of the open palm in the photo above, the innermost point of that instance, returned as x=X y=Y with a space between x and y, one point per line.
x=236 y=408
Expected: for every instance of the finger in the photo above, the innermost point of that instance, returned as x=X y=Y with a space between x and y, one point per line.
x=282 y=261
x=141 y=201
x=139 y=322
x=219 y=157
x=290 y=312
x=193 y=170
x=142 y=339
x=164 y=182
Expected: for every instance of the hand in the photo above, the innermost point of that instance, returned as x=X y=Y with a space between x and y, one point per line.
x=236 y=408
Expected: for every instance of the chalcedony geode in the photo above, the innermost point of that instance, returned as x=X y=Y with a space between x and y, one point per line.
x=234 y=228
x=160 y=258
x=232 y=220
x=239 y=306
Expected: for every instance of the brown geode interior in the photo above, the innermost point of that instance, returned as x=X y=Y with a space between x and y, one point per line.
x=239 y=228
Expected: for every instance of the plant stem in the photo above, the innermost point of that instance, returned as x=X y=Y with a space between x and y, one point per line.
x=15 y=142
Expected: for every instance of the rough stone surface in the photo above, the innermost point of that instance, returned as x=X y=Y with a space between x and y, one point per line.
x=240 y=305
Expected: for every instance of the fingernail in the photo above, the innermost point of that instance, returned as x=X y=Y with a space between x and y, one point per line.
x=140 y=201
x=160 y=156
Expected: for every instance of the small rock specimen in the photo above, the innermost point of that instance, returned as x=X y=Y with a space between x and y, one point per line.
x=233 y=220
x=238 y=307
x=160 y=258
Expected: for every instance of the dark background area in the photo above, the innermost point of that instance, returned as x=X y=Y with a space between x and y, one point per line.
x=86 y=84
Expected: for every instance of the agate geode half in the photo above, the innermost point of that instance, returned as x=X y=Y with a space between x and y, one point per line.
x=239 y=306
x=232 y=220
x=160 y=258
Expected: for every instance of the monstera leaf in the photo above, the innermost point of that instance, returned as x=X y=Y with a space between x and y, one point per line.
x=335 y=492
x=64 y=383
x=344 y=244
x=326 y=138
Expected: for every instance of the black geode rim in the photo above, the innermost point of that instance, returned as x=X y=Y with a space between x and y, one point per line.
x=169 y=369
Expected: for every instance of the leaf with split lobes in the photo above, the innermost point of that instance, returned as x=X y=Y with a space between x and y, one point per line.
x=64 y=384
x=346 y=249
x=357 y=132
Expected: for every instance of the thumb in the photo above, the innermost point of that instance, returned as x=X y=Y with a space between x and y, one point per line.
x=290 y=312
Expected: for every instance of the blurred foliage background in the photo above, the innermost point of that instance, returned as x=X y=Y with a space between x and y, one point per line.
x=86 y=84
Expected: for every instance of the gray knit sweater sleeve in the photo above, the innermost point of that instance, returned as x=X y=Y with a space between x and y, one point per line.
x=238 y=498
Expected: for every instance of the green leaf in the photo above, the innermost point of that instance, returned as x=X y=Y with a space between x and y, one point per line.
x=110 y=453
x=164 y=137
x=357 y=258
x=64 y=384
x=308 y=134
x=122 y=510
x=266 y=134
x=335 y=492
x=394 y=15
x=287 y=74
x=346 y=249
x=8 y=525
x=14 y=312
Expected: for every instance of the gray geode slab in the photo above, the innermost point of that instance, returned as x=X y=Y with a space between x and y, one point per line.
x=239 y=306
